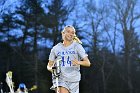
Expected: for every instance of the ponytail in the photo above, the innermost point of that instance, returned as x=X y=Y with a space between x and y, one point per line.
x=76 y=39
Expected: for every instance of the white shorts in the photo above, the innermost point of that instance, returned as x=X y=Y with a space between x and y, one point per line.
x=73 y=87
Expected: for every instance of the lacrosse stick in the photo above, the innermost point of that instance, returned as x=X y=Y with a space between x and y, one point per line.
x=9 y=81
x=34 y=87
x=56 y=72
x=1 y=85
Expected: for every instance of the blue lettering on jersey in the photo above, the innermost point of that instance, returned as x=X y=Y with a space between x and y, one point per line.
x=66 y=57
x=65 y=53
x=63 y=61
x=59 y=53
x=69 y=61
x=66 y=61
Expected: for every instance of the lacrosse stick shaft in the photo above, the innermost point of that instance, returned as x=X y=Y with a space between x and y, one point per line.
x=58 y=71
x=57 y=86
x=1 y=86
x=1 y=91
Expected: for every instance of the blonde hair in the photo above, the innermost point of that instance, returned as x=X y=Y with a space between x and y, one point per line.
x=75 y=39
x=69 y=26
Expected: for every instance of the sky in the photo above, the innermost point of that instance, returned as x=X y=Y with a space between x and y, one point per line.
x=76 y=14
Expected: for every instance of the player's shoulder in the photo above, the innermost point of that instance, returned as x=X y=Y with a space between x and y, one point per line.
x=57 y=45
x=76 y=44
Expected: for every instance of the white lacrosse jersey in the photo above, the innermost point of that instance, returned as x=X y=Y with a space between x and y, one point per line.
x=69 y=72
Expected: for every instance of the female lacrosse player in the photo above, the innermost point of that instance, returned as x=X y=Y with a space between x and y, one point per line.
x=22 y=88
x=72 y=56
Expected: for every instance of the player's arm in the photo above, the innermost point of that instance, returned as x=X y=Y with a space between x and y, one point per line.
x=84 y=62
x=50 y=65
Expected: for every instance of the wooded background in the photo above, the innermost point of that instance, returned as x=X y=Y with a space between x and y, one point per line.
x=109 y=30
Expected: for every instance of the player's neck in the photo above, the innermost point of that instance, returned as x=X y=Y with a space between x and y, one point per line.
x=67 y=43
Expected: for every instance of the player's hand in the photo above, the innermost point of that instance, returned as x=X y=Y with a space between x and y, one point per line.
x=75 y=62
x=50 y=68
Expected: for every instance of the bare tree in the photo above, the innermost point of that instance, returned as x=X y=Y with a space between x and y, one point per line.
x=58 y=14
x=127 y=14
x=95 y=16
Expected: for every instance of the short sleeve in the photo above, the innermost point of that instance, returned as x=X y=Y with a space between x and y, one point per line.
x=52 y=55
x=81 y=51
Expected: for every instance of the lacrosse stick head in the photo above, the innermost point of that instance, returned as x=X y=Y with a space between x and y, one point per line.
x=57 y=67
x=34 y=87
x=9 y=74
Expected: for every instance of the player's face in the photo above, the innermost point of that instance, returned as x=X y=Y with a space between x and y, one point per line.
x=69 y=34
